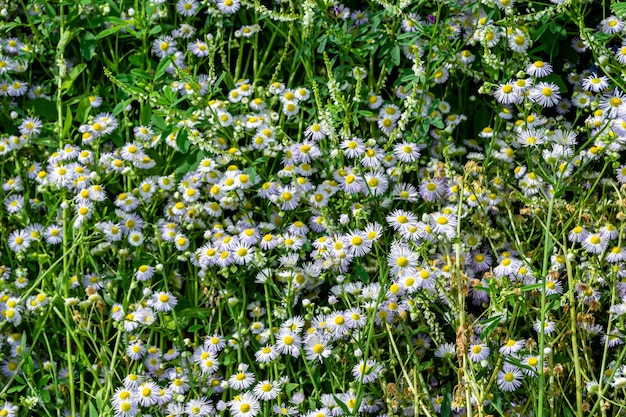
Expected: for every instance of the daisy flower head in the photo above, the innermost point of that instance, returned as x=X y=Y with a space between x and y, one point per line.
x=578 y=234
x=14 y=203
x=402 y=260
x=147 y=393
x=19 y=240
x=317 y=348
x=548 y=327
x=553 y=286
x=227 y=6
x=595 y=83
x=187 y=7
x=288 y=343
x=530 y=365
x=507 y=94
x=199 y=407
x=315 y=132
x=266 y=390
x=444 y=223
x=546 y=94
x=366 y=371
x=617 y=254
x=539 y=69
x=406 y=152
x=374 y=101
x=353 y=148
x=405 y=192
x=512 y=346
x=164 y=46
x=266 y=354
x=509 y=378
x=611 y=25
x=246 y=404
x=478 y=352
x=612 y=103
x=163 y=301
x=31 y=127
x=518 y=41
x=242 y=379
x=595 y=243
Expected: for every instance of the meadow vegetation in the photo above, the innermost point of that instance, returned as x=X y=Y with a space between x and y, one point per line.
x=312 y=208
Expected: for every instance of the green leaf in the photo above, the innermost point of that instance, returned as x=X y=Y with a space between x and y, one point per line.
x=531 y=287
x=146 y=114
x=110 y=31
x=87 y=45
x=446 y=405
x=71 y=77
x=155 y=30
x=424 y=365
x=362 y=273
x=158 y=122
x=67 y=123
x=93 y=412
x=83 y=110
x=395 y=55
x=121 y=106
x=490 y=324
x=163 y=64
x=251 y=172
x=438 y=123
x=619 y=9
x=42 y=107
x=182 y=141
x=66 y=36
x=16 y=388
x=45 y=395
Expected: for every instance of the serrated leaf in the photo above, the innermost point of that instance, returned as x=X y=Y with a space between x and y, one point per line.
x=619 y=9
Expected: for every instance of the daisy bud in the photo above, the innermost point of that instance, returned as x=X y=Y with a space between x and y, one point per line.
x=14 y=115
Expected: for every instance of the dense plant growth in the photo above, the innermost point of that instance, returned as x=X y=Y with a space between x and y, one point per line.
x=245 y=207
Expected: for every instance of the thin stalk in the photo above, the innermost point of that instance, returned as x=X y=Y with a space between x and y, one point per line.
x=547 y=243
x=574 y=339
